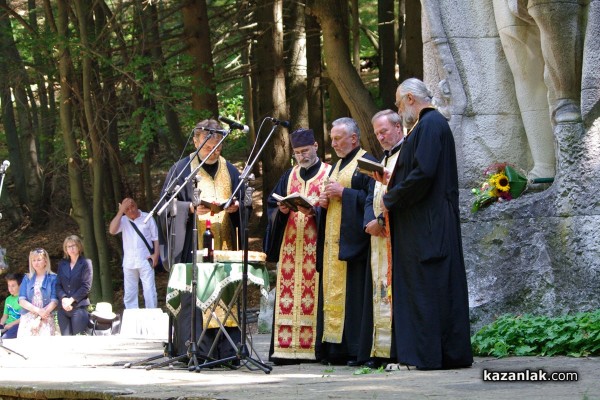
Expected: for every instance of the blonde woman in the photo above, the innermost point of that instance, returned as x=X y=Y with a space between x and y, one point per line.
x=73 y=285
x=37 y=297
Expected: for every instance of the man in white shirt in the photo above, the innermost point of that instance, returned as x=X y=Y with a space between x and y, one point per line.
x=138 y=260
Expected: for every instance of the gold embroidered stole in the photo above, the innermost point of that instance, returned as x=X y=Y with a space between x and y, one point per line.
x=334 y=270
x=382 y=305
x=218 y=190
x=297 y=288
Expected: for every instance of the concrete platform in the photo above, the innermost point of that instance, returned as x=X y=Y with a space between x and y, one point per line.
x=85 y=367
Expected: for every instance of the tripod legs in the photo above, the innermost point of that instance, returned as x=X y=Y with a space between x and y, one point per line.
x=11 y=350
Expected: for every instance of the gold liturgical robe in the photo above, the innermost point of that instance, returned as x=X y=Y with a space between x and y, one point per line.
x=334 y=270
x=216 y=190
x=295 y=328
x=382 y=304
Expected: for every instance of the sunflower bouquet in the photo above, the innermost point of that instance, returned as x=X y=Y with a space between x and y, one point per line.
x=502 y=183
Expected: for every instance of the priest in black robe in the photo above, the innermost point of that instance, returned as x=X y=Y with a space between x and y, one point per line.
x=430 y=299
x=345 y=248
x=216 y=179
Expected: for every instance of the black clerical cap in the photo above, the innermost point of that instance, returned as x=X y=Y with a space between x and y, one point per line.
x=302 y=137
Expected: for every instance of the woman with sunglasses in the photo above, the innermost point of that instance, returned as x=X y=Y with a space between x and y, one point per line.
x=73 y=285
x=37 y=297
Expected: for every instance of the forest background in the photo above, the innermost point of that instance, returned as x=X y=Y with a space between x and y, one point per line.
x=99 y=97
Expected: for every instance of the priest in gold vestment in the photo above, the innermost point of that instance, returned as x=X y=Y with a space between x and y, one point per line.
x=387 y=126
x=291 y=239
x=216 y=179
x=345 y=248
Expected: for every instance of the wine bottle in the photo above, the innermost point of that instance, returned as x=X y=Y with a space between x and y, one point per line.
x=207 y=243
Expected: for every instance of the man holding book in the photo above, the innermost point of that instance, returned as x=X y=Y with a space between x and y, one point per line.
x=387 y=126
x=214 y=182
x=291 y=239
x=345 y=247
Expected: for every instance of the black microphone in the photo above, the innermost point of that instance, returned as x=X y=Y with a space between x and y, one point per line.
x=234 y=125
x=285 y=124
x=211 y=130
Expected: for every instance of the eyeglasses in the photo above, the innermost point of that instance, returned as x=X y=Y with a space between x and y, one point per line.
x=39 y=250
x=216 y=136
x=72 y=246
x=303 y=153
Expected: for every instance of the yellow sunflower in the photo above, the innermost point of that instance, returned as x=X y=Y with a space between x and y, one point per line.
x=500 y=181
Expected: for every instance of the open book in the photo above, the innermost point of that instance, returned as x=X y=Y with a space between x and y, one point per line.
x=293 y=201
x=214 y=205
x=369 y=167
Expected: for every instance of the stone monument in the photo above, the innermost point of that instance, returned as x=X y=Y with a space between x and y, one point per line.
x=521 y=82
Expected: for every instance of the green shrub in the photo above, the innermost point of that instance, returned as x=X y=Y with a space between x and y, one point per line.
x=527 y=335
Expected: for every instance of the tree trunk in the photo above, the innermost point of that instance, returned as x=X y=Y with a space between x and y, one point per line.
x=411 y=61
x=81 y=210
x=316 y=114
x=342 y=73
x=113 y=182
x=18 y=79
x=90 y=90
x=387 y=53
x=295 y=44
x=197 y=36
x=159 y=68
x=355 y=31
x=9 y=122
x=271 y=86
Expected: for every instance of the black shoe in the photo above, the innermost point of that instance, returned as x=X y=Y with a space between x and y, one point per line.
x=354 y=363
x=373 y=363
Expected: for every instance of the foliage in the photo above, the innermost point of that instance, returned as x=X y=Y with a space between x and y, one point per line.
x=575 y=335
x=367 y=370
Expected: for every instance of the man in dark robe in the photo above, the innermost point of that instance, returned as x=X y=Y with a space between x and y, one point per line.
x=291 y=239
x=345 y=247
x=216 y=179
x=430 y=299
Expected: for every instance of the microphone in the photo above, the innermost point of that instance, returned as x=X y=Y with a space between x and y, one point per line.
x=212 y=130
x=4 y=166
x=285 y=124
x=234 y=125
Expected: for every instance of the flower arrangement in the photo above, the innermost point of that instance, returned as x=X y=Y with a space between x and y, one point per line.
x=502 y=183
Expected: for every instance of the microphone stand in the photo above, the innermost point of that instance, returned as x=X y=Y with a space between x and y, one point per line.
x=243 y=353
x=3 y=172
x=10 y=350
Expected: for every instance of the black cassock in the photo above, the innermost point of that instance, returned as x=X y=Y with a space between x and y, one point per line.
x=430 y=299
x=182 y=252
x=354 y=247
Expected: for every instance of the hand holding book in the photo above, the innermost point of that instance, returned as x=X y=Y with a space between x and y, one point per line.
x=374 y=169
x=293 y=201
x=369 y=167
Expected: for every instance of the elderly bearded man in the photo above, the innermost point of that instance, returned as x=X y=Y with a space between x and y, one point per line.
x=429 y=285
x=291 y=239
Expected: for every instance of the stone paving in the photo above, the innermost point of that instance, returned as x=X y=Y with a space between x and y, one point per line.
x=86 y=367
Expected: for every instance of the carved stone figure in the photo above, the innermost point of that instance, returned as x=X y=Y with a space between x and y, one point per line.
x=543 y=43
